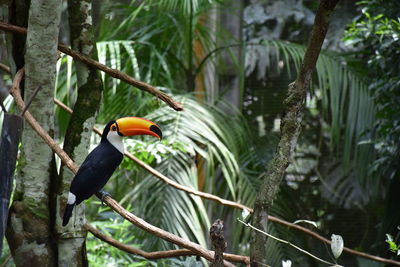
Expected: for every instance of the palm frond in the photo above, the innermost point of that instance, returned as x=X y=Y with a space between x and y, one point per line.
x=187 y=7
x=205 y=132
x=346 y=102
x=201 y=130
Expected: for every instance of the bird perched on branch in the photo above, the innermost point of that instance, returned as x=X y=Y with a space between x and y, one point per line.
x=100 y=164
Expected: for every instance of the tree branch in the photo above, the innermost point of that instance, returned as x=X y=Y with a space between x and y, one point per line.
x=154 y=255
x=290 y=244
x=233 y=204
x=31 y=100
x=112 y=72
x=112 y=203
x=209 y=255
x=5 y=68
x=148 y=255
x=15 y=92
x=290 y=129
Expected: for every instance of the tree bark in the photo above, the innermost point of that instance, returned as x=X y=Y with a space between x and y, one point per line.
x=77 y=138
x=290 y=129
x=218 y=243
x=28 y=233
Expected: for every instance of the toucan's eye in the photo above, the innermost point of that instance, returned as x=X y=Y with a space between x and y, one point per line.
x=113 y=128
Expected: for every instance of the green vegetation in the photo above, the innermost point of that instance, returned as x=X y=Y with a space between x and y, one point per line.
x=154 y=43
x=345 y=174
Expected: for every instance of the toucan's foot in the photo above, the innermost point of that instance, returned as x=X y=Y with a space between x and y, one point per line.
x=103 y=195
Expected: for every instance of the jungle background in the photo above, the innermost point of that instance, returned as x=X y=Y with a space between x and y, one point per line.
x=230 y=63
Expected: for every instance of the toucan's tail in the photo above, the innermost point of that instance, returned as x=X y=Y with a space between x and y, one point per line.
x=67 y=213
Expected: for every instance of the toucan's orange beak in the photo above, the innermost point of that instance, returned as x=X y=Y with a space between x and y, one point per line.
x=130 y=126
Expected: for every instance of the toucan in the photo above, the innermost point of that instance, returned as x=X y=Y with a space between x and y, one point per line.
x=100 y=164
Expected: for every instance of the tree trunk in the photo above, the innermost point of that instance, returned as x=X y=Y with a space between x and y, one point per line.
x=77 y=139
x=290 y=129
x=29 y=234
x=206 y=80
x=230 y=78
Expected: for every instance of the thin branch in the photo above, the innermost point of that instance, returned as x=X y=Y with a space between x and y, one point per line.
x=235 y=204
x=5 y=68
x=66 y=108
x=30 y=100
x=15 y=92
x=148 y=255
x=112 y=72
x=288 y=243
x=121 y=76
x=327 y=241
x=189 y=190
x=209 y=255
x=154 y=255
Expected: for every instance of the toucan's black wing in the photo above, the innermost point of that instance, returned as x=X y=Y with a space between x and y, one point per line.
x=95 y=171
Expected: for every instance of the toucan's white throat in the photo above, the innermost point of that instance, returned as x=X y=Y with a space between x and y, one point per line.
x=116 y=140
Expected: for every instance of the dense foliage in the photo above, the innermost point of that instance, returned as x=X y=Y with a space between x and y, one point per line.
x=220 y=153
x=375 y=34
x=345 y=174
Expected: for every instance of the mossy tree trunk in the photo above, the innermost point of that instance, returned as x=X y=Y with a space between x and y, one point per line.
x=29 y=232
x=290 y=130
x=77 y=139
